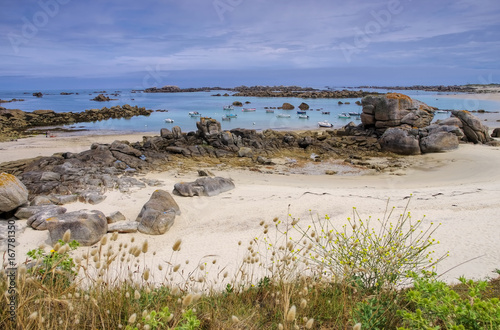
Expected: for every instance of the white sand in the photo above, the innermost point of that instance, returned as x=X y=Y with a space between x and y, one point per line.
x=459 y=189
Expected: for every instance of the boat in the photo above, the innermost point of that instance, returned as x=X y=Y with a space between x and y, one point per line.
x=344 y=115
x=248 y=109
x=270 y=111
x=354 y=114
x=169 y=120
x=441 y=111
x=324 y=124
x=231 y=115
x=303 y=117
x=228 y=107
x=194 y=114
x=226 y=118
x=301 y=112
x=283 y=115
x=325 y=112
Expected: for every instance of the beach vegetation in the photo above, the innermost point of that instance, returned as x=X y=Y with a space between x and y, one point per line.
x=316 y=273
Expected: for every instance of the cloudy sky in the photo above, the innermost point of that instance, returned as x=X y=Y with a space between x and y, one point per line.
x=139 y=44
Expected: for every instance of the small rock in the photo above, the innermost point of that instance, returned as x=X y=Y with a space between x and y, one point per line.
x=123 y=227
x=115 y=217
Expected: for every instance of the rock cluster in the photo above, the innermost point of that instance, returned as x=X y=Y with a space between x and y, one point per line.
x=101 y=98
x=12 y=121
x=405 y=125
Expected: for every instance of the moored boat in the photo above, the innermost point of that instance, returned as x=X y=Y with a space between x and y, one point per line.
x=325 y=112
x=194 y=114
x=324 y=124
x=226 y=118
x=231 y=115
x=228 y=107
x=283 y=115
x=344 y=115
x=301 y=112
x=355 y=114
x=270 y=111
x=248 y=109
x=169 y=120
x=303 y=117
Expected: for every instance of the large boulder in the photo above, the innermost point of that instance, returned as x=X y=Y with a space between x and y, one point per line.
x=13 y=193
x=87 y=227
x=38 y=215
x=394 y=109
x=439 y=142
x=205 y=186
x=158 y=214
x=287 y=106
x=399 y=141
x=472 y=127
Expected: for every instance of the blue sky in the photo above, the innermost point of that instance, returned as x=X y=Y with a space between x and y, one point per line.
x=139 y=44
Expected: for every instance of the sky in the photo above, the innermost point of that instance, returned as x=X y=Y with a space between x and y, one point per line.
x=194 y=43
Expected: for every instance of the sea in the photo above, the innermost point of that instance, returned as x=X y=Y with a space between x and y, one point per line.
x=176 y=106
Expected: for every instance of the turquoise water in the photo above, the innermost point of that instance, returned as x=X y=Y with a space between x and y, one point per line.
x=179 y=104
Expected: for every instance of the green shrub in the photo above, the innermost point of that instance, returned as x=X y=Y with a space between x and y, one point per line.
x=434 y=305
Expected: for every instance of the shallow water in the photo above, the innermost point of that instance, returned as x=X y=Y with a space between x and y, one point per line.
x=179 y=104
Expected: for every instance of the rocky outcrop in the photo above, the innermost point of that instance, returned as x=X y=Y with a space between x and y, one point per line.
x=304 y=106
x=101 y=98
x=205 y=186
x=394 y=110
x=87 y=227
x=13 y=192
x=472 y=127
x=287 y=106
x=15 y=121
x=158 y=214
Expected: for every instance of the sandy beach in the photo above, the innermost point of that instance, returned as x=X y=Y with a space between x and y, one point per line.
x=458 y=189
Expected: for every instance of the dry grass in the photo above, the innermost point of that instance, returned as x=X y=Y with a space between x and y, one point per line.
x=277 y=286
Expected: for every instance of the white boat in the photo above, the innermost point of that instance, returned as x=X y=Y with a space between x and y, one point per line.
x=303 y=117
x=169 y=120
x=228 y=107
x=269 y=111
x=441 y=111
x=344 y=115
x=194 y=114
x=249 y=109
x=283 y=115
x=226 y=118
x=324 y=124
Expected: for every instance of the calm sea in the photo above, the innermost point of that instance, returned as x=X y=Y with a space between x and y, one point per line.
x=180 y=104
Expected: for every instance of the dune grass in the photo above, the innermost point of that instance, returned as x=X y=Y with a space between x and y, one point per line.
x=296 y=274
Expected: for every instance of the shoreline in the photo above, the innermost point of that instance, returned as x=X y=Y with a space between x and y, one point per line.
x=441 y=192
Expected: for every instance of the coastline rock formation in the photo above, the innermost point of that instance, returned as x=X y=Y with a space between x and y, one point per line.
x=101 y=98
x=14 y=121
x=405 y=125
